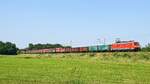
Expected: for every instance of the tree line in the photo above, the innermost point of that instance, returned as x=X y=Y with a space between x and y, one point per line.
x=8 y=48
x=43 y=46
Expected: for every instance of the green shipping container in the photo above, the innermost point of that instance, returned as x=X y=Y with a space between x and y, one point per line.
x=103 y=48
x=93 y=48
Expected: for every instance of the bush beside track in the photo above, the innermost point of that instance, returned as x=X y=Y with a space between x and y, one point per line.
x=132 y=56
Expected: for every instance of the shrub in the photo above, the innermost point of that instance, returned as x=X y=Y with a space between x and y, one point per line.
x=126 y=55
x=92 y=55
x=145 y=56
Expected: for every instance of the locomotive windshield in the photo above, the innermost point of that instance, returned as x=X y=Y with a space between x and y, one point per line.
x=136 y=43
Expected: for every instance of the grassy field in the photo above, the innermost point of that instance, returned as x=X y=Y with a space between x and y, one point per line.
x=90 y=68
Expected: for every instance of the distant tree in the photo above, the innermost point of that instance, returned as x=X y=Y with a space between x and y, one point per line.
x=31 y=46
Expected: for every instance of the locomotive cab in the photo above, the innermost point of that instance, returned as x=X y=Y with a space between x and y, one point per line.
x=137 y=46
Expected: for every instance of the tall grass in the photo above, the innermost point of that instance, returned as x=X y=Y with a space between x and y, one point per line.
x=73 y=68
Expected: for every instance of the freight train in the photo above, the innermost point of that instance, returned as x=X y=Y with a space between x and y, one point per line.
x=115 y=47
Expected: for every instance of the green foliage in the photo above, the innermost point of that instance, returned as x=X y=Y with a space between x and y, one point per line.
x=8 y=48
x=146 y=48
x=145 y=56
x=43 y=46
x=124 y=55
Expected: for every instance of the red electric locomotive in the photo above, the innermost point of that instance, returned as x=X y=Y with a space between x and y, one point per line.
x=125 y=46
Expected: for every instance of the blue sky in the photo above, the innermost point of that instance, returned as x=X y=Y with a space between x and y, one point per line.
x=81 y=21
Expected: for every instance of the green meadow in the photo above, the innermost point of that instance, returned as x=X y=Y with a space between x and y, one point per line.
x=76 y=68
